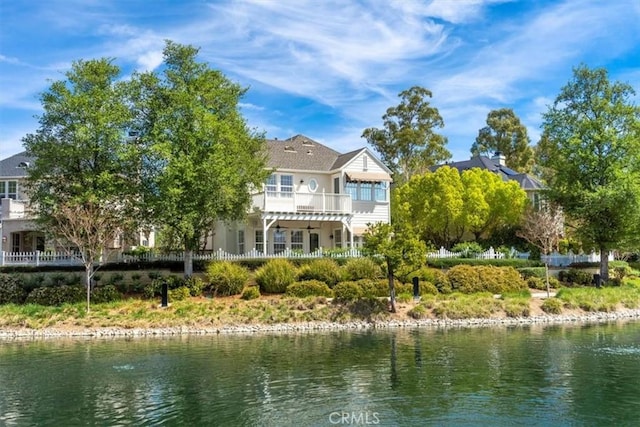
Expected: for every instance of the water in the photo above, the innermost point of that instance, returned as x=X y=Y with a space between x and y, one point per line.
x=557 y=375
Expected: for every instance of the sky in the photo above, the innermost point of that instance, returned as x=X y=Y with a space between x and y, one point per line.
x=329 y=69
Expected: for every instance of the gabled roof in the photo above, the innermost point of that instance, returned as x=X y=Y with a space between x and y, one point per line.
x=14 y=166
x=527 y=182
x=301 y=153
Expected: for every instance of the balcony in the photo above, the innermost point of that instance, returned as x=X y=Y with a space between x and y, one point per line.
x=14 y=209
x=314 y=203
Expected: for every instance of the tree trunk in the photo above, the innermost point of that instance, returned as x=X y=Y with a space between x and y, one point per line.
x=188 y=262
x=604 y=265
x=392 y=290
x=89 y=274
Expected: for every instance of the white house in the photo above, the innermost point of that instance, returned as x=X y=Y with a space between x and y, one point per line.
x=315 y=198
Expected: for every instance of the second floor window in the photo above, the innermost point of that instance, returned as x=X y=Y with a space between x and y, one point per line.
x=351 y=188
x=279 y=185
x=286 y=185
x=9 y=190
x=272 y=185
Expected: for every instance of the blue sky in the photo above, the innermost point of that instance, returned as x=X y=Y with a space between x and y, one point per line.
x=329 y=69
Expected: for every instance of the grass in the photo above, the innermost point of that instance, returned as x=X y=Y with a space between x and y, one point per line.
x=600 y=300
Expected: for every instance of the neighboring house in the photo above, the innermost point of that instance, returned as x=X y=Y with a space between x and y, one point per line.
x=496 y=164
x=19 y=232
x=315 y=198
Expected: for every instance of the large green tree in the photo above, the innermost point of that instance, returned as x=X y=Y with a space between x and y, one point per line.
x=201 y=159
x=408 y=143
x=445 y=206
x=591 y=156
x=82 y=184
x=505 y=133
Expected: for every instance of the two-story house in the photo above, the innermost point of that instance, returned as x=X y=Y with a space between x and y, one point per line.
x=315 y=198
x=19 y=233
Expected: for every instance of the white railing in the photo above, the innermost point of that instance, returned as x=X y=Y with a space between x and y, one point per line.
x=488 y=254
x=556 y=259
x=40 y=258
x=294 y=202
x=14 y=209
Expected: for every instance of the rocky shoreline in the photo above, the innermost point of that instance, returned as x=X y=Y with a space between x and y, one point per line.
x=106 y=332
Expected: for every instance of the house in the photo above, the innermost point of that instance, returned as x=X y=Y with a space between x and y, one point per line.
x=19 y=232
x=315 y=198
x=497 y=164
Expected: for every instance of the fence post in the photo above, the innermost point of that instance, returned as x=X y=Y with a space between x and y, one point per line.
x=37 y=258
x=1 y=257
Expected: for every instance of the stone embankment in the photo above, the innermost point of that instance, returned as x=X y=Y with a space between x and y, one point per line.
x=11 y=333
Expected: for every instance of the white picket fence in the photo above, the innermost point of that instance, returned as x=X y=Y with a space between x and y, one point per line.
x=63 y=258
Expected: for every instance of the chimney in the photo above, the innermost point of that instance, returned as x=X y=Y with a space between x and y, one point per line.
x=499 y=159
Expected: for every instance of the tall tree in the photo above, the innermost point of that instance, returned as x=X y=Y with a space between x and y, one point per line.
x=592 y=159
x=408 y=143
x=201 y=158
x=505 y=133
x=82 y=183
x=397 y=246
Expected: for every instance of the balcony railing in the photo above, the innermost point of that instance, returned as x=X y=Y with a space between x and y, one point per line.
x=14 y=209
x=293 y=202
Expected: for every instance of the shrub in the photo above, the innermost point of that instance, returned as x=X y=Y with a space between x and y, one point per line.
x=180 y=293
x=619 y=270
x=11 y=290
x=368 y=307
x=324 y=269
x=404 y=297
x=418 y=312
x=361 y=268
x=251 y=292
x=460 y=306
x=115 y=278
x=465 y=279
x=107 y=293
x=56 y=295
x=309 y=288
x=275 y=276
x=375 y=288
x=195 y=285
x=526 y=272
x=227 y=278
x=468 y=249
x=509 y=262
x=347 y=292
x=552 y=306
x=576 y=277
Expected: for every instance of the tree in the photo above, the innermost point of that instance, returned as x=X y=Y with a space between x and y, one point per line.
x=408 y=144
x=592 y=159
x=82 y=183
x=505 y=133
x=396 y=246
x=201 y=159
x=543 y=228
x=444 y=206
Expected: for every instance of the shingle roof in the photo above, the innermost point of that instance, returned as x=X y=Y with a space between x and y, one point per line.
x=527 y=182
x=14 y=166
x=301 y=153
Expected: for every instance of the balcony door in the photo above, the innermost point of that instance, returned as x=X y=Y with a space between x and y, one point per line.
x=314 y=242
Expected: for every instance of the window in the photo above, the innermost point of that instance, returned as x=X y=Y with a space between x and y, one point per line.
x=380 y=189
x=15 y=242
x=272 y=186
x=337 y=237
x=313 y=185
x=260 y=241
x=286 y=185
x=351 y=188
x=365 y=191
x=240 y=241
x=9 y=190
x=279 y=241
x=296 y=240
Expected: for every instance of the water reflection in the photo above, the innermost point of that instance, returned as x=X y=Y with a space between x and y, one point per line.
x=535 y=375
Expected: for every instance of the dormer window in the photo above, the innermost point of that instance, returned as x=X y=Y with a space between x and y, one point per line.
x=289 y=149
x=307 y=143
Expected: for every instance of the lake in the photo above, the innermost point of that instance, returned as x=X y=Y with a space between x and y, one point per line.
x=585 y=374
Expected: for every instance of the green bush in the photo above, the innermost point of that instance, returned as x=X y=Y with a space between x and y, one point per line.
x=404 y=297
x=526 y=272
x=107 y=293
x=11 y=290
x=56 y=295
x=552 y=306
x=460 y=306
x=251 y=292
x=179 y=294
x=619 y=270
x=275 y=276
x=227 y=278
x=468 y=249
x=309 y=288
x=115 y=278
x=361 y=268
x=508 y=262
x=576 y=277
x=347 y=292
x=375 y=288
x=368 y=308
x=465 y=279
x=536 y=283
x=418 y=312
x=323 y=269
x=154 y=288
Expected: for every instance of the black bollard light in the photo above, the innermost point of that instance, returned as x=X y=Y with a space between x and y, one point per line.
x=416 y=288
x=597 y=280
x=165 y=294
